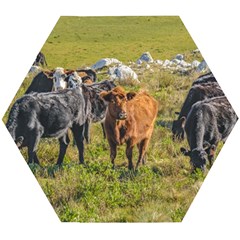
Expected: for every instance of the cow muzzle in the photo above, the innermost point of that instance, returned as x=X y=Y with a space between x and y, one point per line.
x=122 y=115
x=59 y=88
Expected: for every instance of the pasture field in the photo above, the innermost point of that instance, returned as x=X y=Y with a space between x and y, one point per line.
x=163 y=189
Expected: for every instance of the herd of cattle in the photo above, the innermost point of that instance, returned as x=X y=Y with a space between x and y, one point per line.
x=61 y=100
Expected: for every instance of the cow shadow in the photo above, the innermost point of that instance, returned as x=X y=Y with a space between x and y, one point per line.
x=165 y=124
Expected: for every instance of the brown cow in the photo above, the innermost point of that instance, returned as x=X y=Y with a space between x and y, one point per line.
x=130 y=119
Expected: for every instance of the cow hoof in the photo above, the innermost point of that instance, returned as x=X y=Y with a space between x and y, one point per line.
x=131 y=168
x=82 y=163
x=58 y=165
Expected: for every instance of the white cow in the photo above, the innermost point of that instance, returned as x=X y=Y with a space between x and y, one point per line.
x=59 y=76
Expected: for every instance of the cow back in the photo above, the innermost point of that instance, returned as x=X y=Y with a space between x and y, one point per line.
x=142 y=112
x=206 y=78
x=40 y=83
x=215 y=117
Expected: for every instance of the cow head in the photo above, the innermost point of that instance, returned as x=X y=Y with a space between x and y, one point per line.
x=98 y=105
x=59 y=79
x=178 y=128
x=198 y=157
x=117 y=102
x=73 y=80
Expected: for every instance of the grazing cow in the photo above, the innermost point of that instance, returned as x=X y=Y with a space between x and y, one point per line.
x=197 y=93
x=47 y=81
x=40 y=60
x=206 y=78
x=44 y=115
x=209 y=122
x=130 y=119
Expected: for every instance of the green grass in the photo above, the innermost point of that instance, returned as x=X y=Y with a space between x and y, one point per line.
x=163 y=189
x=79 y=41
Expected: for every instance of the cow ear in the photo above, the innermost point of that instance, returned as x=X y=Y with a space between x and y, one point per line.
x=82 y=74
x=185 y=152
x=87 y=81
x=106 y=95
x=183 y=121
x=131 y=95
x=49 y=74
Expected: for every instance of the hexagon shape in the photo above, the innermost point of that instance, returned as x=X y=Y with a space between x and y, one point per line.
x=166 y=62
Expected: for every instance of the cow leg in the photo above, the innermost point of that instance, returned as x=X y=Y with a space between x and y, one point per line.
x=87 y=131
x=113 y=153
x=103 y=130
x=129 y=151
x=78 y=133
x=34 y=138
x=140 y=156
x=211 y=154
x=142 y=147
x=63 y=143
x=31 y=155
x=35 y=158
x=210 y=159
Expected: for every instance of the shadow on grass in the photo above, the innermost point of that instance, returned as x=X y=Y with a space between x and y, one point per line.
x=165 y=124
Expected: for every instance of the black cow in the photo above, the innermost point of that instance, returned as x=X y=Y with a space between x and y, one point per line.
x=99 y=107
x=43 y=115
x=42 y=82
x=209 y=122
x=197 y=93
x=40 y=60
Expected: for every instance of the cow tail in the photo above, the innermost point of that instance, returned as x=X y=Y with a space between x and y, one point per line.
x=12 y=124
